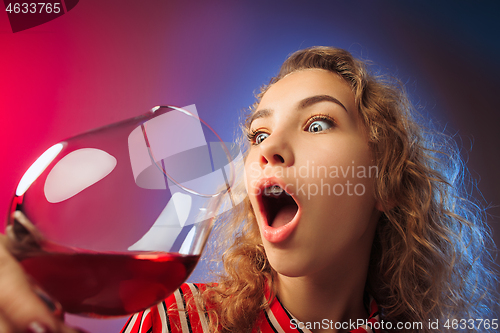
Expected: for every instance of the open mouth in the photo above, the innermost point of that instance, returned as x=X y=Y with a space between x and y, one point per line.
x=279 y=206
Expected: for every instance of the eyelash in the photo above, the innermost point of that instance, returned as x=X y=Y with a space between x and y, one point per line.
x=252 y=134
x=317 y=117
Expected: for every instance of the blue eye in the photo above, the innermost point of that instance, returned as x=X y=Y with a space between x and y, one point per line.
x=260 y=137
x=257 y=136
x=319 y=125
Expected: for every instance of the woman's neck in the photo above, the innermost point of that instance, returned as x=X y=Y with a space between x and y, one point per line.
x=331 y=296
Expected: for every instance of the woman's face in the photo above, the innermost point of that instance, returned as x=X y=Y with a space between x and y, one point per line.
x=310 y=175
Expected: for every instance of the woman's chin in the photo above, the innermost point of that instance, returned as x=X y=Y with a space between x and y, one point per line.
x=290 y=268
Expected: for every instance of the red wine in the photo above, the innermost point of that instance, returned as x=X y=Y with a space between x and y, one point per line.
x=109 y=284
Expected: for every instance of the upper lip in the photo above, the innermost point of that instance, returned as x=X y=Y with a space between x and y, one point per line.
x=264 y=183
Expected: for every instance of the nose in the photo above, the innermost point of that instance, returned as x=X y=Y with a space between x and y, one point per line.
x=276 y=150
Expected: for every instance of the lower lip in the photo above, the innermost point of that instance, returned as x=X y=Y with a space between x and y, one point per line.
x=278 y=235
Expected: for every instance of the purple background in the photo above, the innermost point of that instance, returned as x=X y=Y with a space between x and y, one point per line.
x=110 y=60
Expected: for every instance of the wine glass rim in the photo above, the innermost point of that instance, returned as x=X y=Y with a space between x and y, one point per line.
x=223 y=145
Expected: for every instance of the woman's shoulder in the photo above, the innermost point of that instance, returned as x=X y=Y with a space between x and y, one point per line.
x=181 y=312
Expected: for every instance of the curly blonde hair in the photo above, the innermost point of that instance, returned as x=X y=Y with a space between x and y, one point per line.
x=428 y=259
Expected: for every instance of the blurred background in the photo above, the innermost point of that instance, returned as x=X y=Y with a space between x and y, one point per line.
x=105 y=61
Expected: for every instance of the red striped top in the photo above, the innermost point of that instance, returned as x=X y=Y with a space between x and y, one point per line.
x=170 y=317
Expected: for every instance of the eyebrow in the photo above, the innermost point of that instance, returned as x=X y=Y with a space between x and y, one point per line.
x=306 y=102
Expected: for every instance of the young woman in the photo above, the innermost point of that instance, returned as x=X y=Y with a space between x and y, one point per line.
x=354 y=220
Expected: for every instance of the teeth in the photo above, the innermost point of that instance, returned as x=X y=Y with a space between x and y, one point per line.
x=273 y=190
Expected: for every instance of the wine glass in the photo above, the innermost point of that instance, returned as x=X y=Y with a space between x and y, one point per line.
x=112 y=221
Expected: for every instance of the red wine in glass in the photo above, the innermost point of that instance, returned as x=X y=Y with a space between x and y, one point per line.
x=109 y=284
x=112 y=221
